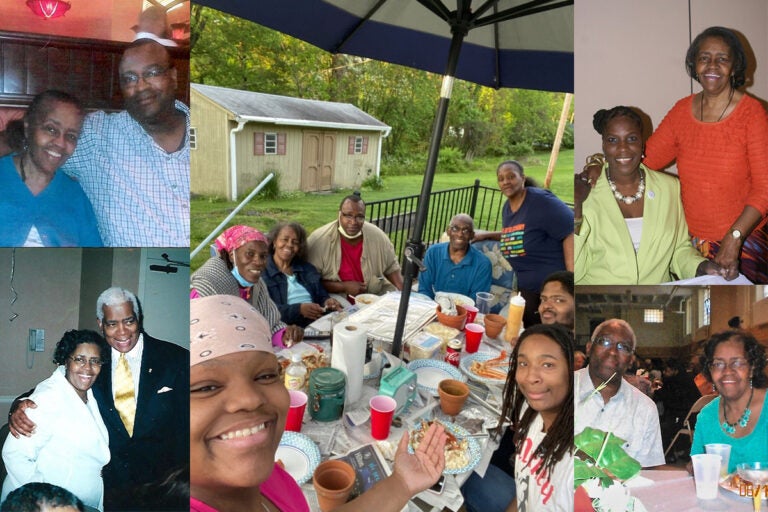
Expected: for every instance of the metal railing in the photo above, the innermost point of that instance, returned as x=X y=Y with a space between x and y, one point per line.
x=397 y=216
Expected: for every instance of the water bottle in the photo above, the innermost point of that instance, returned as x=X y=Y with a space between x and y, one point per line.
x=296 y=373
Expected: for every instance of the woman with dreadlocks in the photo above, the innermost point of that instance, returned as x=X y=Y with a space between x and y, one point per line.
x=538 y=397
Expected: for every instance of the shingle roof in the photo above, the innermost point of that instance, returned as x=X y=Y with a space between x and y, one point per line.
x=260 y=105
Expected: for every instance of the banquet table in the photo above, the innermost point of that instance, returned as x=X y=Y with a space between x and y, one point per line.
x=352 y=431
x=675 y=491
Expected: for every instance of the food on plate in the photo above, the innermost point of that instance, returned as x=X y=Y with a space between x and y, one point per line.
x=443 y=332
x=366 y=298
x=311 y=360
x=280 y=463
x=492 y=368
x=456 y=450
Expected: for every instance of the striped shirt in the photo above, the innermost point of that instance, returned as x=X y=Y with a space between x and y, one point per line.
x=139 y=192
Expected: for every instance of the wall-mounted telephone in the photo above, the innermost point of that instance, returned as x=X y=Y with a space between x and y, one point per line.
x=37 y=340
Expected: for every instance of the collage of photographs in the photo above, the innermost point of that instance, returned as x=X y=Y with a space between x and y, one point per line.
x=415 y=279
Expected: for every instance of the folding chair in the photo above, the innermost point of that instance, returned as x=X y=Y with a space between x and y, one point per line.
x=687 y=428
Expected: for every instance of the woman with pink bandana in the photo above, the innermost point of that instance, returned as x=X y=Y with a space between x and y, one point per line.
x=236 y=270
x=238 y=407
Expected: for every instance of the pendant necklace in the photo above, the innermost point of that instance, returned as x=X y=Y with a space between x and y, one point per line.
x=701 y=104
x=627 y=199
x=729 y=427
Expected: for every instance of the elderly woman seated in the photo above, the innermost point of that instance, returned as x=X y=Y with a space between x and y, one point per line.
x=293 y=283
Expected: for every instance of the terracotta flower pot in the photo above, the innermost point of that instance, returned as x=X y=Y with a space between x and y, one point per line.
x=453 y=394
x=333 y=481
x=457 y=321
x=494 y=324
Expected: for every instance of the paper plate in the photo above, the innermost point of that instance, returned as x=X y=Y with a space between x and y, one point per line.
x=366 y=299
x=728 y=484
x=466 y=363
x=429 y=373
x=457 y=298
x=473 y=449
x=299 y=454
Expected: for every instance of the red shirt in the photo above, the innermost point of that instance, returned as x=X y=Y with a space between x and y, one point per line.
x=350 y=268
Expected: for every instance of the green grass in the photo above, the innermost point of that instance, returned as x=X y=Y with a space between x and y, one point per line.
x=314 y=210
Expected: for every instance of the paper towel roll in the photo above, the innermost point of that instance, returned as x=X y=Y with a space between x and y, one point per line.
x=348 y=355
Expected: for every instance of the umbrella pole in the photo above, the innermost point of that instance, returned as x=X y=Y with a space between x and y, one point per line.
x=414 y=247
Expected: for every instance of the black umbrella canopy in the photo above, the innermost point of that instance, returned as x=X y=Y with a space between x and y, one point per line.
x=496 y=43
x=507 y=43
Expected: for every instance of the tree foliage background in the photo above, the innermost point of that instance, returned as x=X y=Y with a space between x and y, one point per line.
x=231 y=52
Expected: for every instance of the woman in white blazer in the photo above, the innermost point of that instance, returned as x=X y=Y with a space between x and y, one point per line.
x=71 y=444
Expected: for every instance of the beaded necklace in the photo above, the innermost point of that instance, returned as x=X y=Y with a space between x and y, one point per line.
x=729 y=427
x=626 y=199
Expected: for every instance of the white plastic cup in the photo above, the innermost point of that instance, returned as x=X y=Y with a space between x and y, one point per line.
x=706 y=474
x=724 y=451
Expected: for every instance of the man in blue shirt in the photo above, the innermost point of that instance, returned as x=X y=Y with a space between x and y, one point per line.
x=455 y=266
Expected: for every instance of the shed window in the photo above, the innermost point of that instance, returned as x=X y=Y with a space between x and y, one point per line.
x=269 y=143
x=192 y=137
x=358 y=145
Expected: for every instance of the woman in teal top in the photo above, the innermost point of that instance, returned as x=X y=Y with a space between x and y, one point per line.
x=735 y=364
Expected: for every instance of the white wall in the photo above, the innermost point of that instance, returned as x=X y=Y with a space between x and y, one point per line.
x=630 y=52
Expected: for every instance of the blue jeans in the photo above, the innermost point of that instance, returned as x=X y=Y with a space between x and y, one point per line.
x=491 y=493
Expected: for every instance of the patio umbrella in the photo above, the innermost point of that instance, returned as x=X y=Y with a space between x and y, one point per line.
x=496 y=43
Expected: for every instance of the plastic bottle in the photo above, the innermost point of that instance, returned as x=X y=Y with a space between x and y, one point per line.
x=296 y=373
x=514 y=317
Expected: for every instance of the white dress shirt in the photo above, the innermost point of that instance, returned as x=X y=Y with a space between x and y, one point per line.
x=629 y=414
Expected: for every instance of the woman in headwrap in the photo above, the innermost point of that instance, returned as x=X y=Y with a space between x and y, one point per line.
x=236 y=270
x=238 y=408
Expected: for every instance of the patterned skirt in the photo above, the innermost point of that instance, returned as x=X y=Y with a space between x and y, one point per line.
x=754 y=253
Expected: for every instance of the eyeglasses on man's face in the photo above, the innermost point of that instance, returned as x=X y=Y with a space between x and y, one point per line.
x=151 y=75
x=457 y=229
x=623 y=347
x=350 y=217
x=718 y=365
x=80 y=361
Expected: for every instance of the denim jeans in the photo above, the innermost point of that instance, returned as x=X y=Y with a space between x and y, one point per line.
x=491 y=493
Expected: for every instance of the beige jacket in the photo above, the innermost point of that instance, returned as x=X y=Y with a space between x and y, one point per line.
x=378 y=260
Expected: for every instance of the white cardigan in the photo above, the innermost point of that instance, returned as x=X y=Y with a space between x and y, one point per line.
x=69 y=447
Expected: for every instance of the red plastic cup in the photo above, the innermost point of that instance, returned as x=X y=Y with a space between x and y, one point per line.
x=471 y=313
x=296 y=411
x=473 y=334
x=382 y=411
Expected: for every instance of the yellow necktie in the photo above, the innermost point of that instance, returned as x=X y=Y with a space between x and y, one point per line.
x=125 y=400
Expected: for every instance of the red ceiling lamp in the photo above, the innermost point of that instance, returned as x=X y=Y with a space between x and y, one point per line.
x=49 y=8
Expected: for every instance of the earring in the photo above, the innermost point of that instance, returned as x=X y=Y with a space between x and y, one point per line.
x=713 y=388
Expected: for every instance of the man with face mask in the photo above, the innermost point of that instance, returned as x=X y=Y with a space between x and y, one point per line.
x=354 y=256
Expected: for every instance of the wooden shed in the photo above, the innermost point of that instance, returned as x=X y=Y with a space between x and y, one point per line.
x=240 y=136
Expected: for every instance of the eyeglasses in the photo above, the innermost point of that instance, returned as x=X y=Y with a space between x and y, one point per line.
x=81 y=360
x=457 y=229
x=624 y=347
x=349 y=216
x=557 y=299
x=150 y=76
x=735 y=364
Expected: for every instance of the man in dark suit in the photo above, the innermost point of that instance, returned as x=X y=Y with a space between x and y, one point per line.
x=149 y=445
